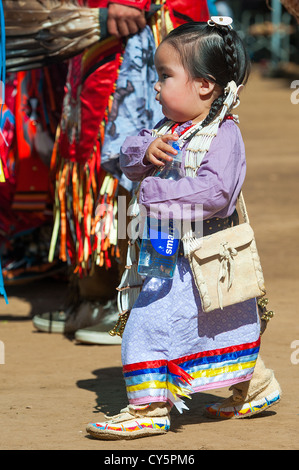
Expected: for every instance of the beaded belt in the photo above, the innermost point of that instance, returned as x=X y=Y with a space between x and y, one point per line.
x=213 y=225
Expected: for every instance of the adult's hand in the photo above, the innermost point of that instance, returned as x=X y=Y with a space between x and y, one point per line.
x=124 y=20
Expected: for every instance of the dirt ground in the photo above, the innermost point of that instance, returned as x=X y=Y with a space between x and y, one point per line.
x=51 y=387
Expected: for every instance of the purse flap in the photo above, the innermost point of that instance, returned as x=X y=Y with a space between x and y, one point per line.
x=235 y=237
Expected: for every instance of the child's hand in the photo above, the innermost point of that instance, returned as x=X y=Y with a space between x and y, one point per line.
x=158 y=149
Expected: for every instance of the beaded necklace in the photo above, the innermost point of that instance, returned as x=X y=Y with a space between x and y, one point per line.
x=173 y=129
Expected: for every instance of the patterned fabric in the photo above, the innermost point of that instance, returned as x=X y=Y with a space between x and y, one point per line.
x=171 y=348
x=134 y=106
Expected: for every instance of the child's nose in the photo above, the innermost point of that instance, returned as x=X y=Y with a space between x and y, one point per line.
x=157 y=87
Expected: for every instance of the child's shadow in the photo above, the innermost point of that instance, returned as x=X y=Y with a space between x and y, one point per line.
x=109 y=388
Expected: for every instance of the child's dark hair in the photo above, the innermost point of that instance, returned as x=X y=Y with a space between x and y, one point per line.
x=216 y=53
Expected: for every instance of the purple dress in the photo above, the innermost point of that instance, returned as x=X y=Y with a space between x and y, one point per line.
x=170 y=347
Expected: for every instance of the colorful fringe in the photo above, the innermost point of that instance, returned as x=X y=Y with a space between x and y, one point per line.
x=163 y=380
x=76 y=164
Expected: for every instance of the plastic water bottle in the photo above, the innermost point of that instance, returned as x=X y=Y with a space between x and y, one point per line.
x=161 y=238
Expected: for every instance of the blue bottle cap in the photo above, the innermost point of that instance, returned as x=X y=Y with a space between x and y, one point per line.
x=175 y=145
x=178 y=156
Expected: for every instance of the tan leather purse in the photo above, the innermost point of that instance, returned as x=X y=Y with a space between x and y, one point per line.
x=226 y=266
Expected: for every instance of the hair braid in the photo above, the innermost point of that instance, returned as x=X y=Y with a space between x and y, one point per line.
x=230 y=50
x=232 y=61
x=214 y=110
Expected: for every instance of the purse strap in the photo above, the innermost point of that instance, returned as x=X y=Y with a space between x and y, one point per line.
x=243 y=207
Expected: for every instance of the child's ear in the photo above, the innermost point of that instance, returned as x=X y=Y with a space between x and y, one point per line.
x=204 y=87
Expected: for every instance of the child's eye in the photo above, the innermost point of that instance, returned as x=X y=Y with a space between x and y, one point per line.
x=164 y=76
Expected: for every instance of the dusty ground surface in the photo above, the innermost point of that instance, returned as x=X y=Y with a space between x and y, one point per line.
x=50 y=387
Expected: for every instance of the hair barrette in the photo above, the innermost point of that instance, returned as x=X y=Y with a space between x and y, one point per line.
x=220 y=21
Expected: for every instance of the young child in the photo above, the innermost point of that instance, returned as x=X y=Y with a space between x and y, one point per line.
x=170 y=347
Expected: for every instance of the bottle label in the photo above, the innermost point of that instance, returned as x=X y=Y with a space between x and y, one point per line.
x=164 y=237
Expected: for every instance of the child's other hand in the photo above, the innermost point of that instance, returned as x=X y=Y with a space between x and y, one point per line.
x=159 y=148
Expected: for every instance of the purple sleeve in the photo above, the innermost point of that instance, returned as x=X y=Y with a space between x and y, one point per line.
x=132 y=154
x=214 y=192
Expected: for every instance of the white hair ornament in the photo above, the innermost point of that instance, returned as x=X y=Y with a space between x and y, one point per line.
x=220 y=21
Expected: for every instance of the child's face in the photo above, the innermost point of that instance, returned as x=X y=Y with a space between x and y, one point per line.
x=176 y=92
